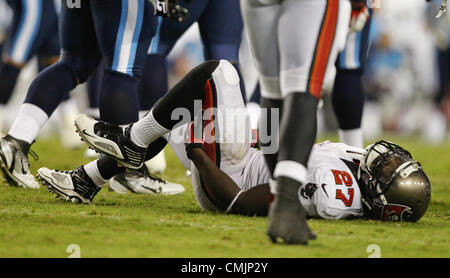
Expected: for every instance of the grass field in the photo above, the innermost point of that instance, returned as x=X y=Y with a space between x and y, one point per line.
x=34 y=224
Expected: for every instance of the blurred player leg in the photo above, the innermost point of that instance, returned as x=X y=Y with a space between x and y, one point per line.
x=152 y=87
x=79 y=58
x=250 y=78
x=286 y=215
x=93 y=90
x=167 y=34
x=121 y=32
x=155 y=85
x=221 y=28
x=348 y=95
x=261 y=23
x=303 y=64
x=124 y=30
x=253 y=106
x=32 y=30
x=68 y=108
x=124 y=48
x=27 y=36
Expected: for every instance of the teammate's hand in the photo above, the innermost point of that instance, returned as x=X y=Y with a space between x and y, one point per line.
x=193 y=138
x=359 y=17
x=171 y=9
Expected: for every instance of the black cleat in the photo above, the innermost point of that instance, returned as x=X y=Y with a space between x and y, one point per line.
x=287 y=217
x=111 y=140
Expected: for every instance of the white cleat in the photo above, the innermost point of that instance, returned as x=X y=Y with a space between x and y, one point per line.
x=15 y=166
x=71 y=186
x=140 y=182
x=157 y=164
x=90 y=153
x=69 y=137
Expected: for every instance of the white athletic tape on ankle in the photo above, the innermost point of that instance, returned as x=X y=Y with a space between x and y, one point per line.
x=291 y=169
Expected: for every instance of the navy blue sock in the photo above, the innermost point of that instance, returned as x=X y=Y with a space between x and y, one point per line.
x=119 y=103
x=51 y=86
x=348 y=98
x=43 y=63
x=8 y=79
x=93 y=88
x=153 y=84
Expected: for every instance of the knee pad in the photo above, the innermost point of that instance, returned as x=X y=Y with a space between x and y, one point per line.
x=81 y=67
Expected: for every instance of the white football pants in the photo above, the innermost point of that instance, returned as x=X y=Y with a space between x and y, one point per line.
x=295 y=43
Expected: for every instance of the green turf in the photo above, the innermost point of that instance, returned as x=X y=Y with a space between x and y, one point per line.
x=34 y=224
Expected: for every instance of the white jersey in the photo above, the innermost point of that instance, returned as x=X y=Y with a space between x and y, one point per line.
x=332 y=191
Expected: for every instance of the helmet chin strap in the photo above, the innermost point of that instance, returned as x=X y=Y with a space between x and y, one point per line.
x=382 y=198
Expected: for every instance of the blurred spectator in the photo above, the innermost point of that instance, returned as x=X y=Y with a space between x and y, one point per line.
x=402 y=73
x=440 y=29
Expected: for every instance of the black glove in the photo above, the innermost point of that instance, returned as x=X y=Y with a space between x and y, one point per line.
x=171 y=9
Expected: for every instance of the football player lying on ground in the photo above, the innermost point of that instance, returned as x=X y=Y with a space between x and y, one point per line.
x=380 y=182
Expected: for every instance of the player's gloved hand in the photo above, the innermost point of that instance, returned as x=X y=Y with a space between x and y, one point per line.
x=171 y=9
x=194 y=137
x=359 y=17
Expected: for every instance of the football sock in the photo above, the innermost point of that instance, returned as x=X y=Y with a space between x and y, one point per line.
x=93 y=91
x=8 y=78
x=50 y=87
x=155 y=148
x=119 y=102
x=93 y=172
x=107 y=167
x=298 y=127
x=265 y=129
x=351 y=137
x=348 y=99
x=153 y=84
x=28 y=122
x=292 y=170
x=146 y=130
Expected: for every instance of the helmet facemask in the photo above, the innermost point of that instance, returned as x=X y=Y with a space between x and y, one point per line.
x=384 y=171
